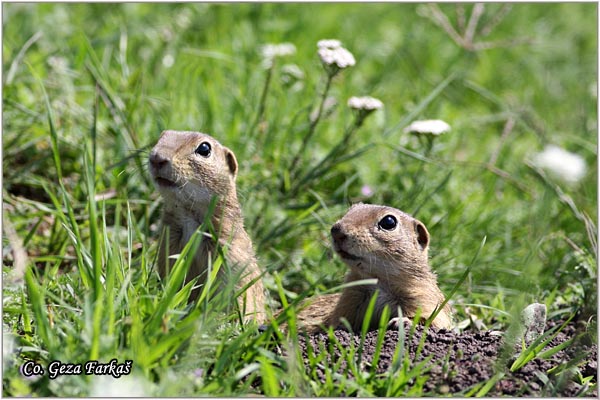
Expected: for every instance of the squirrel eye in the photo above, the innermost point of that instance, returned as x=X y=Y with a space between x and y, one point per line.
x=203 y=149
x=388 y=223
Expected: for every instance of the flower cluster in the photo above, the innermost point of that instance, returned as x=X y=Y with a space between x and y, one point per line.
x=364 y=103
x=569 y=167
x=272 y=51
x=428 y=127
x=363 y=107
x=333 y=56
x=340 y=57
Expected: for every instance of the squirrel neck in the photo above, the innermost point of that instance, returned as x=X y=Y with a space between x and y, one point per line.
x=227 y=223
x=410 y=290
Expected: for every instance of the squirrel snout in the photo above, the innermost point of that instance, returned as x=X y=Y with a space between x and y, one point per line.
x=157 y=160
x=336 y=233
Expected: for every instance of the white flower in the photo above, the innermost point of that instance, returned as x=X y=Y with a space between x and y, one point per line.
x=364 y=103
x=338 y=56
x=329 y=43
x=363 y=106
x=271 y=51
x=428 y=126
x=124 y=386
x=568 y=166
x=168 y=61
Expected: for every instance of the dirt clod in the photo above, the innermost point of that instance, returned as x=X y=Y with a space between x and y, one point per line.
x=460 y=362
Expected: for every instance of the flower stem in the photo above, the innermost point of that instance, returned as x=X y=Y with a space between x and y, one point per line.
x=332 y=156
x=263 y=98
x=313 y=125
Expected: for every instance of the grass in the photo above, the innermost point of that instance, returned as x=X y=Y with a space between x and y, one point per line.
x=87 y=89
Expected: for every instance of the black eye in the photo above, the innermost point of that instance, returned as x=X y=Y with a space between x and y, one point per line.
x=388 y=223
x=203 y=149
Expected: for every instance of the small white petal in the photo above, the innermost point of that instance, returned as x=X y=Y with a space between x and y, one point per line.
x=567 y=166
x=428 y=126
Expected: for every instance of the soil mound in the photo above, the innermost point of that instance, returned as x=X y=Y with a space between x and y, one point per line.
x=459 y=362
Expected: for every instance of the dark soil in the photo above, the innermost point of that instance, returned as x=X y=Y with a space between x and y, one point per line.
x=460 y=361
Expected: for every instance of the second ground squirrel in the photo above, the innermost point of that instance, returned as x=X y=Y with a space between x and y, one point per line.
x=384 y=243
x=190 y=169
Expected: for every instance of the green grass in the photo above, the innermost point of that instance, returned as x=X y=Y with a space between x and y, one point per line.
x=87 y=89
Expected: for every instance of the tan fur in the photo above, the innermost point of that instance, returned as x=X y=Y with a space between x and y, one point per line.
x=187 y=182
x=397 y=258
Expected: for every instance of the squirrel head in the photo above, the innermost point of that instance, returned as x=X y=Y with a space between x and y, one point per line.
x=382 y=242
x=189 y=168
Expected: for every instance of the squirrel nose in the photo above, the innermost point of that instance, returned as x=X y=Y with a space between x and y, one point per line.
x=157 y=160
x=336 y=232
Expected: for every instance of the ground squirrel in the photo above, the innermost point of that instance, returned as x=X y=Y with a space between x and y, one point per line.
x=384 y=243
x=189 y=169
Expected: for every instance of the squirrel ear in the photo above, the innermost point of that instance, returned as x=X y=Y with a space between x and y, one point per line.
x=231 y=162
x=422 y=235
